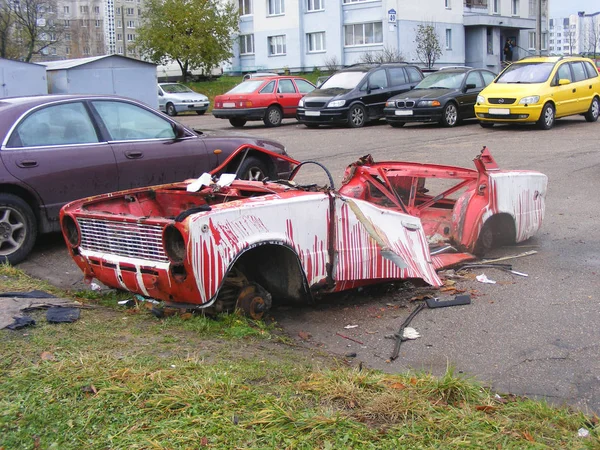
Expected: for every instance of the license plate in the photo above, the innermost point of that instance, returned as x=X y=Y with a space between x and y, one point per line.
x=312 y=113
x=499 y=111
x=404 y=112
x=198 y=105
x=228 y=105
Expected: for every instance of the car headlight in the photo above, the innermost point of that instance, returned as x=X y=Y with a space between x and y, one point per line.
x=480 y=99
x=336 y=103
x=301 y=102
x=529 y=100
x=429 y=103
x=390 y=103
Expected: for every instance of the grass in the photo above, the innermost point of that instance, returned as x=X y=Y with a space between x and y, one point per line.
x=121 y=378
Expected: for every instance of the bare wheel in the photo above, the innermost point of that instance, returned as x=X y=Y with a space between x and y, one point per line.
x=592 y=114
x=357 y=116
x=171 y=111
x=450 y=115
x=254 y=301
x=18 y=229
x=237 y=122
x=252 y=169
x=273 y=116
x=546 y=120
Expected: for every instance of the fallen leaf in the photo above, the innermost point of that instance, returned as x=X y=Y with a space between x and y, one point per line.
x=91 y=389
x=304 y=335
x=204 y=441
x=47 y=356
x=528 y=436
x=186 y=316
x=486 y=408
x=413 y=381
x=398 y=386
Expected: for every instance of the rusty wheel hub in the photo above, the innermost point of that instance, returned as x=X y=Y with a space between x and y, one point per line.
x=254 y=301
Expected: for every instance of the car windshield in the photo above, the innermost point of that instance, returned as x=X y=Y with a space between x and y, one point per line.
x=343 y=80
x=246 y=87
x=175 y=88
x=533 y=72
x=442 y=80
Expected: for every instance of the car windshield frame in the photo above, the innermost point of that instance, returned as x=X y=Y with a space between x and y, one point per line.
x=344 y=80
x=532 y=72
x=179 y=88
x=248 y=87
x=442 y=80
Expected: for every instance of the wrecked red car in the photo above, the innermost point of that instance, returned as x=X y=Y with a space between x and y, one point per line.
x=221 y=245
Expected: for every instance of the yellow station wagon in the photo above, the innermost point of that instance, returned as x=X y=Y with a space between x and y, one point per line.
x=540 y=90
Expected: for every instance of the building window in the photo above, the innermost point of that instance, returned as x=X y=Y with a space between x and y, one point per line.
x=315 y=5
x=276 y=45
x=276 y=7
x=490 y=41
x=130 y=11
x=130 y=37
x=247 y=44
x=120 y=50
x=67 y=23
x=356 y=1
x=118 y=11
x=496 y=6
x=119 y=37
x=316 y=42
x=447 y=4
x=66 y=9
x=97 y=9
x=83 y=23
x=98 y=23
x=131 y=24
x=53 y=51
x=245 y=7
x=86 y=50
x=515 y=8
x=119 y=24
x=83 y=9
x=67 y=50
x=448 y=39
x=532 y=40
x=67 y=36
x=363 y=34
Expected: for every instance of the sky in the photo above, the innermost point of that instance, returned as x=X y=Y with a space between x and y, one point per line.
x=564 y=8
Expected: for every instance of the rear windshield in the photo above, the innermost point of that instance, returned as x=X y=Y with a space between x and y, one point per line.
x=175 y=88
x=246 y=87
x=534 y=72
x=343 y=80
x=446 y=80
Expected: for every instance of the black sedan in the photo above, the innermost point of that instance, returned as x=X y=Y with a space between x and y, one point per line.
x=447 y=96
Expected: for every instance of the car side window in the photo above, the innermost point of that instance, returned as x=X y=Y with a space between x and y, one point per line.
x=474 y=78
x=397 y=76
x=488 y=77
x=414 y=75
x=304 y=87
x=127 y=122
x=378 y=80
x=286 y=87
x=563 y=73
x=578 y=71
x=64 y=124
x=268 y=89
x=591 y=70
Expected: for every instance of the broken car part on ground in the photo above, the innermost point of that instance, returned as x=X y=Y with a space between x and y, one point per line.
x=247 y=243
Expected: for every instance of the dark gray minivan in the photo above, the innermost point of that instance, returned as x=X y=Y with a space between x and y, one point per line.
x=357 y=94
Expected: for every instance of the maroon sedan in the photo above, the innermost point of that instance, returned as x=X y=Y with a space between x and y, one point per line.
x=58 y=148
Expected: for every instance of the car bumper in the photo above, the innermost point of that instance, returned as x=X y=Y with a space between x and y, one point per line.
x=241 y=113
x=394 y=115
x=512 y=113
x=200 y=106
x=322 y=116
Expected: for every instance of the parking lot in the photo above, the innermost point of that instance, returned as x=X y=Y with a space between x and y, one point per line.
x=534 y=335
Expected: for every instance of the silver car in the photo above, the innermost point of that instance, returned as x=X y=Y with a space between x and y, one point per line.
x=174 y=98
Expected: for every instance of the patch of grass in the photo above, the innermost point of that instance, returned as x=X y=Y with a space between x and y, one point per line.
x=124 y=379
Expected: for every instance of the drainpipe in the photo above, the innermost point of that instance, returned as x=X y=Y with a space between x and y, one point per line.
x=301 y=34
x=342 y=31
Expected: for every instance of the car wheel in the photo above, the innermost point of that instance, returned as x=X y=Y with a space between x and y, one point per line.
x=357 y=116
x=273 y=116
x=237 y=122
x=311 y=125
x=486 y=124
x=592 y=114
x=201 y=113
x=546 y=120
x=171 y=111
x=450 y=115
x=397 y=124
x=252 y=169
x=18 y=229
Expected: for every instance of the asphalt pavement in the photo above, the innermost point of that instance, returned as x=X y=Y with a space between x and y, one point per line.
x=536 y=336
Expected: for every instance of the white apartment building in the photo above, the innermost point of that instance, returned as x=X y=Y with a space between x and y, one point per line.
x=577 y=34
x=303 y=34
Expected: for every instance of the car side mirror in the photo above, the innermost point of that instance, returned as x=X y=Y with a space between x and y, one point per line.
x=564 y=81
x=179 y=131
x=161 y=94
x=470 y=86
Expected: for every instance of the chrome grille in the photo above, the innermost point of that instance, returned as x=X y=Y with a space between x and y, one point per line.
x=133 y=240
x=502 y=101
x=405 y=104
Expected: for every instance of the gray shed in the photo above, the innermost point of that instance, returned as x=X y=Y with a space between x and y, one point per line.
x=20 y=78
x=108 y=74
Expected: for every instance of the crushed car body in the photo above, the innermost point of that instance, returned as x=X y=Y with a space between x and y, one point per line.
x=227 y=244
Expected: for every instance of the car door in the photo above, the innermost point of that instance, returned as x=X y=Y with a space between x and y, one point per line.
x=59 y=152
x=564 y=96
x=145 y=147
x=288 y=97
x=467 y=96
x=161 y=99
x=581 y=86
x=376 y=92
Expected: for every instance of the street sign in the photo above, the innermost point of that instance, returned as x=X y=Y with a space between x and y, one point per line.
x=392 y=16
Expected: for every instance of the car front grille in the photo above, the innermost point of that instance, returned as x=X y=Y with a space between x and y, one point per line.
x=502 y=101
x=314 y=104
x=133 y=240
x=405 y=104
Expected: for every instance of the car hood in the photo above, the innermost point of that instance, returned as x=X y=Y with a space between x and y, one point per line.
x=186 y=96
x=418 y=94
x=326 y=94
x=517 y=90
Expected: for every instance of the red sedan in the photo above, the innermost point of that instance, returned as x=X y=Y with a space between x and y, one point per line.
x=269 y=99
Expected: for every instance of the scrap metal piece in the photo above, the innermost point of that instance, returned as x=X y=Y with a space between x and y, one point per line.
x=399 y=336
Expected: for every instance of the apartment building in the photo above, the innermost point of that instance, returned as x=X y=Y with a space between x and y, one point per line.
x=577 y=34
x=303 y=34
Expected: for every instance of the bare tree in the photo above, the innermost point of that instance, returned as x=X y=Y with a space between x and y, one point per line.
x=332 y=64
x=387 y=55
x=35 y=26
x=592 y=39
x=571 y=38
x=428 y=44
x=6 y=28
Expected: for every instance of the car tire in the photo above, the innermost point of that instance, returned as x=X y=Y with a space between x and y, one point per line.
x=486 y=125
x=357 y=116
x=311 y=125
x=273 y=116
x=592 y=114
x=201 y=113
x=237 y=122
x=170 y=109
x=450 y=115
x=547 y=117
x=18 y=229
x=397 y=124
x=252 y=169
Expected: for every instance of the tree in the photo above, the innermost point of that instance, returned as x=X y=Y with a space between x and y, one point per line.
x=387 y=55
x=35 y=28
x=428 y=45
x=195 y=33
x=592 y=39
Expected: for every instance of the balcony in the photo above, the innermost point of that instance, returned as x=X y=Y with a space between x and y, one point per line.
x=476 y=3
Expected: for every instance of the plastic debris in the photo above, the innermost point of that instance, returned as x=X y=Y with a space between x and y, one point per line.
x=95 y=286
x=348 y=327
x=204 y=180
x=582 y=432
x=410 y=333
x=484 y=279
